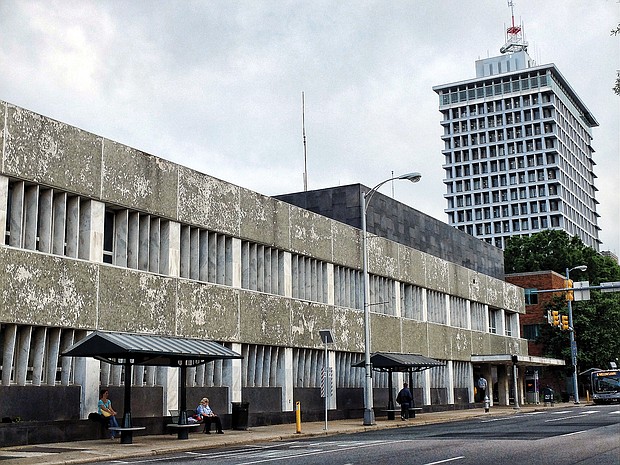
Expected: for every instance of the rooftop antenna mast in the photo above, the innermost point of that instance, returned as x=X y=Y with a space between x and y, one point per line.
x=303 y=130
x=514 y=35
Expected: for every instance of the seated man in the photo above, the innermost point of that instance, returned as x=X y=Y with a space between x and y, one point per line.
x=208 y=417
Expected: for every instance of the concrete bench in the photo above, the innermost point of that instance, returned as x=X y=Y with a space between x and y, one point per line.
x=182 y=430
x=127 y=432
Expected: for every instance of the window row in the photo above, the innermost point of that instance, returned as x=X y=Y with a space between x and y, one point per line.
x=512 y=121
x=493 y=88
x=493 y=166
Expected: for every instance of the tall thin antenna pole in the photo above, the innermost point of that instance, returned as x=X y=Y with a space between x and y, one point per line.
x=392 y=183
x=303 y=129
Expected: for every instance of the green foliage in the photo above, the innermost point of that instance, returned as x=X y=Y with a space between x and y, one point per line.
x=596 y=321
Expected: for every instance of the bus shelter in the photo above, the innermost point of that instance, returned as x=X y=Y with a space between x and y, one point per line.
x=129 y=349
x=402 y=363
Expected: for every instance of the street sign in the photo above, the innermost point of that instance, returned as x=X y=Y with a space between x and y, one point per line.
x=610 y=287
x=583 y=294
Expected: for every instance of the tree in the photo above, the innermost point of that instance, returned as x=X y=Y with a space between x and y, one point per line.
x=597 y=321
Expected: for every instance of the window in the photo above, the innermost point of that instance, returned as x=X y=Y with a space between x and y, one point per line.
x=531 y=332
x=493 y=313
x=531 y=297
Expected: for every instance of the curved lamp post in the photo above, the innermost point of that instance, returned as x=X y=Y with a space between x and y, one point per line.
x=573 y=344
x=369 y=414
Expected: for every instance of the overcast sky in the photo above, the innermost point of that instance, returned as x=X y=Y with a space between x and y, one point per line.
x=216 y=85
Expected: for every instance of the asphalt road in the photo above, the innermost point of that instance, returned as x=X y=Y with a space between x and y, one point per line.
x=574 y=436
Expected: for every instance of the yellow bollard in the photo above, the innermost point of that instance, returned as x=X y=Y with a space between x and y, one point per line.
x=298 y=417
x=587 y=396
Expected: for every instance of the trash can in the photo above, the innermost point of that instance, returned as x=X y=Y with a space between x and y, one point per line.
x=240 y=415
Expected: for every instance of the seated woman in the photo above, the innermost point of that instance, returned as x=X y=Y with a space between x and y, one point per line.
x=208 y=416
x=104 y=407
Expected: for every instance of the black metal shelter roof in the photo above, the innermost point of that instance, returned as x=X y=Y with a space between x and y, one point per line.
x=386 y=361
x=142 y=349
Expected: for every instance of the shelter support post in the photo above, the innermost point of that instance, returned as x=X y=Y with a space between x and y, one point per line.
x=390 y=407
x=127 y=436
x=183 y=433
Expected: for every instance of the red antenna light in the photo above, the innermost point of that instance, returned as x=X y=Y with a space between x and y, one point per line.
x=514 y=36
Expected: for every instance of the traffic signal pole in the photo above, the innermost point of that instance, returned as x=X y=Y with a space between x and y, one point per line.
x=573 y=349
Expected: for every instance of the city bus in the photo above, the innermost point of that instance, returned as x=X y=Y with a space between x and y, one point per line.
x=606 y=386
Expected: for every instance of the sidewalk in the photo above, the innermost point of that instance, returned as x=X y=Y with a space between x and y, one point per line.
x=106 y=449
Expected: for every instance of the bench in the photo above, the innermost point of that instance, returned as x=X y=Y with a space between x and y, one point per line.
x=127 y=432
x=182 y=430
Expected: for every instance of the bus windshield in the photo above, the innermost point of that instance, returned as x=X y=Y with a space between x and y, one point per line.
x=606 y=381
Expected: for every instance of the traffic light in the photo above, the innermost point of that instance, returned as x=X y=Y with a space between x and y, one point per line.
x=555 y=318
x=568 y=283
x=565 y=325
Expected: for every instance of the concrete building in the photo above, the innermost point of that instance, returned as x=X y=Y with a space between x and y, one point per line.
x=518 y=155
x=100 y=236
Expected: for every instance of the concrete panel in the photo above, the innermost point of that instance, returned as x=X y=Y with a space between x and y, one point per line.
x=437 y=274
x=208 y=202
x=516 y=346
x=412 y=266
x=497 y=344
x=414 y=337
x=134 y=301
x=49 y=152
x=347 y=248
x=460 y=281
x=461 y=344
x=439 y=344
x=311 y=234
x=45 y=290
x=207 y=311
x=479 y=343
x=514 y=298
x=475 y=280
x=349 y=329
x=264 y=319
x=138 y=180
x=382 y=256
x=264 y=219
x=307 y=319
x=384 y=333
x=494 y=292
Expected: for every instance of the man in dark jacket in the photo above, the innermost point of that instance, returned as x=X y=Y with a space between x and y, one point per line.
x=404 y=398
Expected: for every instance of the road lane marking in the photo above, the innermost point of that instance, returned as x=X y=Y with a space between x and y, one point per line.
x=571 y=416
x=502 y=418
x=576 y=432
x=288 y=457
x=446 y=460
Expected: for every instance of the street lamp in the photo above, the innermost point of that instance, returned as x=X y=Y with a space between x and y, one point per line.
x=369 y=414
x=573 y=344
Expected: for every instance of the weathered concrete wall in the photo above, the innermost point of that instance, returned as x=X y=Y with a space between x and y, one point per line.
x=49 y=152
x=138 y=180
x=45 y=290
x=400 y=223
x=55 y=291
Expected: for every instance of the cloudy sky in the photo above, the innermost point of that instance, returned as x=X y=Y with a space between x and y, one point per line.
x=216 y=85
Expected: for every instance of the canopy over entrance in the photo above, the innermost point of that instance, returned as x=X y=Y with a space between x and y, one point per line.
x=139 y=349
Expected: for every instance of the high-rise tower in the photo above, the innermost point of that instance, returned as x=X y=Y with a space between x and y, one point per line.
x=518 y=150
